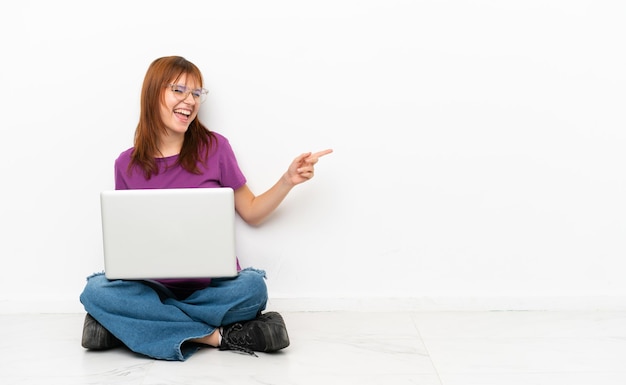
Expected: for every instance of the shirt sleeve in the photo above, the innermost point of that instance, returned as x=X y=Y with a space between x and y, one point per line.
x=231 y=174
x=120 y=169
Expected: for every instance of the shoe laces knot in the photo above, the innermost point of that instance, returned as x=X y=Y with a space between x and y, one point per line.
x=236 y=339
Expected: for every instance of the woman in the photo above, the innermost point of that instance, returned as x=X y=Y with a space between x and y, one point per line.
x=171 y=319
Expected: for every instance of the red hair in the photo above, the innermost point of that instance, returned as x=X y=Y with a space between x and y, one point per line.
x=198 y=139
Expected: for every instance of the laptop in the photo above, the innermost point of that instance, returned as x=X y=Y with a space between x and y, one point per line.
x=168 y=233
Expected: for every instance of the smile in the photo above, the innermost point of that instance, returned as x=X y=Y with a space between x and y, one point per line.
x=183 y=112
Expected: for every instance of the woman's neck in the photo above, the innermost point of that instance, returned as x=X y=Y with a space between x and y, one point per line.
x=170 y=146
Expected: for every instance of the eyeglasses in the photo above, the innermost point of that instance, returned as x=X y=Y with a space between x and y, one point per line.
x=181 y=92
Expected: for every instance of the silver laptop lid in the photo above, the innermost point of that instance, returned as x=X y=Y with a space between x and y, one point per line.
x=168 y=233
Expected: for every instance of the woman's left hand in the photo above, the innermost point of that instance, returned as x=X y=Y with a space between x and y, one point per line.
x=303 y=167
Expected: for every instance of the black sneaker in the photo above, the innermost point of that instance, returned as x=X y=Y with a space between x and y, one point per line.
x=266 y=333
x=96 y=337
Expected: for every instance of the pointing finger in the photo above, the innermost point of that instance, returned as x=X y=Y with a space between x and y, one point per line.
x=314 y=157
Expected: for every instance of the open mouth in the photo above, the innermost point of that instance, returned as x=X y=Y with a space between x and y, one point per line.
x=183 y=113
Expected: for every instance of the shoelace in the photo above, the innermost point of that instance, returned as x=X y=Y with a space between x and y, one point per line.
x=234 y=343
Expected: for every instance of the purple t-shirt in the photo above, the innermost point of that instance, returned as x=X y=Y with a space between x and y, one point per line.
x=221 y=170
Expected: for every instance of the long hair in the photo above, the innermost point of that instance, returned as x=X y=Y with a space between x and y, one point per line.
x=198 y=139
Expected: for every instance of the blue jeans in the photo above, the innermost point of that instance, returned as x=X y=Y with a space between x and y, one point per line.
x=151 y=321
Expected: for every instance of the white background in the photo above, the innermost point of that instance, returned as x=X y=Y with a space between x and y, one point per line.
x=479 y=145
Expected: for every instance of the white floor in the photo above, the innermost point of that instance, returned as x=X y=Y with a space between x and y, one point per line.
x=444 y=348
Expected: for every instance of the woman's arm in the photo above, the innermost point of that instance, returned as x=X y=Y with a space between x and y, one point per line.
x=255 y=209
